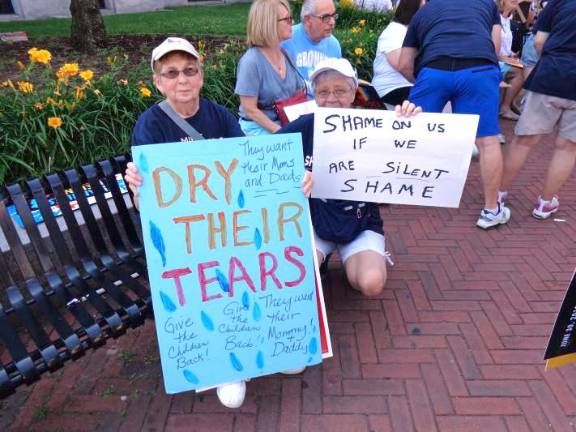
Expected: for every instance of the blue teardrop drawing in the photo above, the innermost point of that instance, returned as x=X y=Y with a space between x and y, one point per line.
x=158 y=241
x=245 y=301
x=257 y=312
x=313 y=346
x=260 y=360
x=236 y=363
x=241 y=200
x=206 y=321
x=309 y=359
x=190 y=377
x=222 y=281
x=261 y=340
x=257 y=239
x=167 y=302
x=143 y=163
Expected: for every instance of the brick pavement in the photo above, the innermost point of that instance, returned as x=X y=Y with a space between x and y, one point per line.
x=455 y=342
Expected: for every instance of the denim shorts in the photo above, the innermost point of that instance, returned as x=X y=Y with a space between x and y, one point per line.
x=473 y=90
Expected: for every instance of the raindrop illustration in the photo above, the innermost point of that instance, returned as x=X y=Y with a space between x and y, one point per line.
x=257 y=239
x=257 y=312
x=167 y=302
x=222 y=281
x=206 y=321
x=245 y=301
x=190 y=377
x=261 y=340
x=313 y=346
x=309 y=359
x=241 y=200
x=158 y=241
x=236 y=363
x=143 y=164
x=260 y=360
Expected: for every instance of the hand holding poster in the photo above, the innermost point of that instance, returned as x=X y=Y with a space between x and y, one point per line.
x=230 y=259
x=376 y=156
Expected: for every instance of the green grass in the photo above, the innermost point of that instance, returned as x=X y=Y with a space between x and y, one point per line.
x=191 y=20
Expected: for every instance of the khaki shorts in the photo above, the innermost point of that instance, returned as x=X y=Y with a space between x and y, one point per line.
x=542 y=113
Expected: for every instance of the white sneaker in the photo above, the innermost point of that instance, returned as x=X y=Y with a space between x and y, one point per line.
x=294 y=371
x=502 y=138
x=232 y=395
x=489 y=219
x=544 y=209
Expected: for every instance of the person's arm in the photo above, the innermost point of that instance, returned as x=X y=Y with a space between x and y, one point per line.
x=406 y=62
x=393 y=58
x=539 y=41
x=250 y=107
x=497 y=38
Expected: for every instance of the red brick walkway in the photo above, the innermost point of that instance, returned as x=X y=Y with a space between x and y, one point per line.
x=455 y=343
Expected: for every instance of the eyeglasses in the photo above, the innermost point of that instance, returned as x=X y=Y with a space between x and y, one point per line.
x=288 y=19
x=338 y=93
x=326 y=18
x=175 y=73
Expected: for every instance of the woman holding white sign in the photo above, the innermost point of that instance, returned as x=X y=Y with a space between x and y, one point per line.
x=353 y=228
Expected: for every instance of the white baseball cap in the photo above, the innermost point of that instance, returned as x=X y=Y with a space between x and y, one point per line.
x=340 y=65
x=172 y=44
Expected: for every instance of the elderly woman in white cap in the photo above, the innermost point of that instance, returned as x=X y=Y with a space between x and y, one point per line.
x=354 y=228
x=185 y=116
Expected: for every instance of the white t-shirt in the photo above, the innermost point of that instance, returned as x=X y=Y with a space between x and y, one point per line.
x=506 y=43
x=374 y=5
x=386 y=78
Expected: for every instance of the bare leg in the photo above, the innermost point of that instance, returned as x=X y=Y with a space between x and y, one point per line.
x=516 y=155
x=490 y=168
x=560 y=167
x=366 y=272
x=511 y=93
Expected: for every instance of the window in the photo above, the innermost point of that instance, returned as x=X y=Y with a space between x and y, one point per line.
x=6 y=7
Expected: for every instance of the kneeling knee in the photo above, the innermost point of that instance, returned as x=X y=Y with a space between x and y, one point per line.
x=372 y=284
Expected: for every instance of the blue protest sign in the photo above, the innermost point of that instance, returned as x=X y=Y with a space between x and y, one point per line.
x=227 y=236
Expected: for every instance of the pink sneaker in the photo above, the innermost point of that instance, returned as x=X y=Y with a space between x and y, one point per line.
x=544 y=209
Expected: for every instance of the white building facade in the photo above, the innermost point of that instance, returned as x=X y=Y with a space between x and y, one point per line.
x=33 y=9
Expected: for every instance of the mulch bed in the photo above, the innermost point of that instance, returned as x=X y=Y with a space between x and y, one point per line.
x=136 y=47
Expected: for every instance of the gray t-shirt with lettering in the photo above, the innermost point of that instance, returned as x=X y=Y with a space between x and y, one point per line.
x=255 y=76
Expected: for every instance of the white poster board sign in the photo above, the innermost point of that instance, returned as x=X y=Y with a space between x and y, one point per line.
x=376 y=156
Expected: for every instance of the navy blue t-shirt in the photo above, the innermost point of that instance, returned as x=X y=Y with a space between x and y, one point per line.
x=333 y=220
x=455 y=29
x=212 y=120
x=555 y=72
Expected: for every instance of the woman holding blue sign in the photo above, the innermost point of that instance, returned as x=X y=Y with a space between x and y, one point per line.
x=185 y=116
x=353 y=228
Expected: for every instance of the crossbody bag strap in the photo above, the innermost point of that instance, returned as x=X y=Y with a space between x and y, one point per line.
x=180 y=122
x=293 y=66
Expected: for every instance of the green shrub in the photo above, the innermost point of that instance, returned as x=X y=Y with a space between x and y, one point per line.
x=54 y=118
x=49 y=123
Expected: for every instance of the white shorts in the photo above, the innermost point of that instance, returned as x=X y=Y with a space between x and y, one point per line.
x=367 y=240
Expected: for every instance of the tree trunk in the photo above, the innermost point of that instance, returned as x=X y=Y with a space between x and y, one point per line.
x=87 y=30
